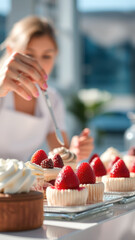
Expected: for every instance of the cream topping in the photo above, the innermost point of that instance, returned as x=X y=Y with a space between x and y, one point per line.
x=15 y=177
x=51 y=173
x=65 y=154
x=36 y=169
x=110 y=154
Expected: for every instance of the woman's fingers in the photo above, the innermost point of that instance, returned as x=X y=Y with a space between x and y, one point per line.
x=22 y=81
x=19 y=90
x=30 y=67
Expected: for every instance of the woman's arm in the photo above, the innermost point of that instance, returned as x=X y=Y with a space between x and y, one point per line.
x=20 y=73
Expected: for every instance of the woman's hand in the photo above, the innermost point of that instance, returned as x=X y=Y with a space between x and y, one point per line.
x=20 y=74
x=82 y=145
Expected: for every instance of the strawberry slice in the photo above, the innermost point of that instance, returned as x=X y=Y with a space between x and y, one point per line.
x=57 y=161
x=98 y=167
x=38 y=156
x=119 y=170
x=93 y=156
x=85 y=174
x=67 y=179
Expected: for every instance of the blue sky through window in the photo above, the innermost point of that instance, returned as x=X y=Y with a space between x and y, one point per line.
x=106 y=5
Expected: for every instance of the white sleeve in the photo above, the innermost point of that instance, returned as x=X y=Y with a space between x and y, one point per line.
x=58 y=109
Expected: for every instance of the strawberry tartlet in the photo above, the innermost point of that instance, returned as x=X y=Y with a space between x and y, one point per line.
x=119 y=179
x=44 y=168
x=87 y=179
x=99 y=168
x=66 y=191
x=69 y=158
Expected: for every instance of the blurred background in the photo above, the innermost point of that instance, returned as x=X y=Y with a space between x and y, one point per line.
x=95 y=71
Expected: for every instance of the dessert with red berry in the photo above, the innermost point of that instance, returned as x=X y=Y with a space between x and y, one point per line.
x=108 y=156
x=44 y=169
x=66 y=191
x=99 y=168
x=129 y=158
x=69 y=158
x=87 y=179
x=119 y=179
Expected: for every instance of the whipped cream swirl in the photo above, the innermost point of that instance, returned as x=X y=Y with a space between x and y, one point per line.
x=36 y=169
x=15 y=177
x=68 y=157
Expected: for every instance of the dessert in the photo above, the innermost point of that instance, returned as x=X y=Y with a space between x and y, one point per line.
x=129 y=158
x=18 y=205
x=99 y=168
x=88 y=180
x=109 y=155
x=69 y=158
x=119 y=179
x=66 y=191
x=50 y=172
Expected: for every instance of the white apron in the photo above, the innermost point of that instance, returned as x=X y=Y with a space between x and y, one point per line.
x=21 y=134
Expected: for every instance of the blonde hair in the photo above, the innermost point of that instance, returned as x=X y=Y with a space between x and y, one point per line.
x=24 y=30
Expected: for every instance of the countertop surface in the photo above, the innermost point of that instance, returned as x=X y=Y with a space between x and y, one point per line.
x=115 y=223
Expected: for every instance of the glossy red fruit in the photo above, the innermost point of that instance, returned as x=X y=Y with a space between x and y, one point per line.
x=47 y=163
x=85 y=174
x=67 y=179
x=98 y=167
x=132 y=168
x=57 y=161
x=119 y=169
x=93 y=156
x=38 y=156
x=112 y=162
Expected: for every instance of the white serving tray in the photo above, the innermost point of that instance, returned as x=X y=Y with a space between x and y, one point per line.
x=75 y=212
x=127 y=197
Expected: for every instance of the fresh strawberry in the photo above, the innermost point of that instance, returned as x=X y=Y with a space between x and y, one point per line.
x=93 y=156
x=38 y=156
x=112 y=162
x=67 y=179
x=85 y=174
x=119 y=169
x=98 y=167
x=47 y=163
x=57 y=161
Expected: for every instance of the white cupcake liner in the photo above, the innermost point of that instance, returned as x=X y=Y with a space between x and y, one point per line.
x=118 y=184
x=95 y=192
x=66 y=197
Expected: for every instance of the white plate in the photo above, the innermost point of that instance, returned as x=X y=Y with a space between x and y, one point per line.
x=108 y=199
x=122 y=194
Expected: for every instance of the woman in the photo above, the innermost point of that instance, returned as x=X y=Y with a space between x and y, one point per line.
x=30 y=53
